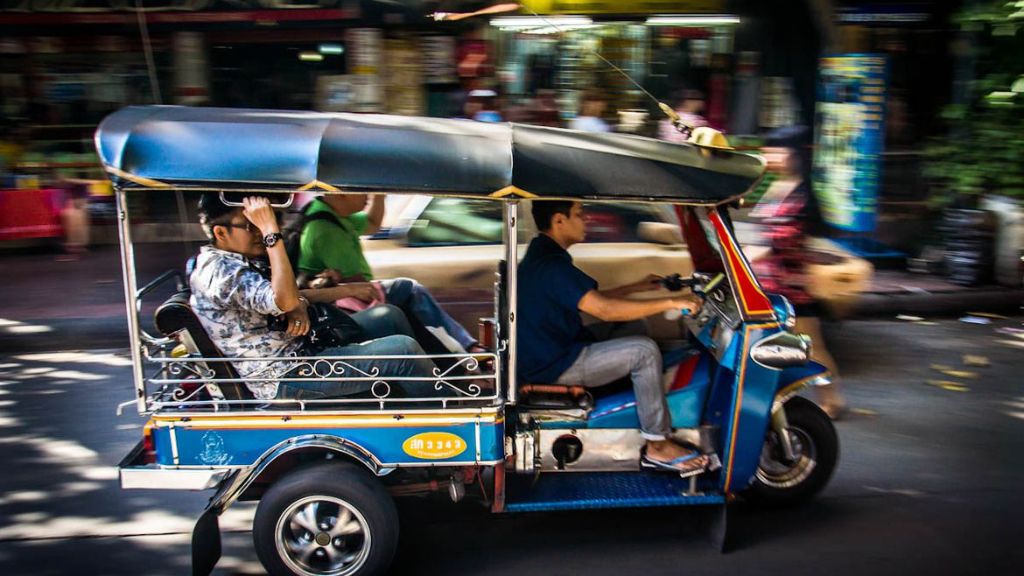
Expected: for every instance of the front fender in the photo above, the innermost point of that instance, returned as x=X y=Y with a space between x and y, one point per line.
x=796 y=378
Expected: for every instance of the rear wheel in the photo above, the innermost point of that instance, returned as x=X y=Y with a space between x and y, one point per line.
x=331 y=519
x=783 y=482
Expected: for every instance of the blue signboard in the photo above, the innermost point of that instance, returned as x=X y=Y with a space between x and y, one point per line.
x=849 y=138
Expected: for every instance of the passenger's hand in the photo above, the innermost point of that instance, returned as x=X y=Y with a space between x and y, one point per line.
x=364 y=291
x=332 y=276
x=258 y=211
x=298 y=320
x=326 y=279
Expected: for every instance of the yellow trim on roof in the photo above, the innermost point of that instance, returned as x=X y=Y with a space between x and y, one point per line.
x=512 y=191
x=316 y=184
x=147 y=182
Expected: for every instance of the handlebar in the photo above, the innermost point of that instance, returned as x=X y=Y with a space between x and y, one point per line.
x=675 y=282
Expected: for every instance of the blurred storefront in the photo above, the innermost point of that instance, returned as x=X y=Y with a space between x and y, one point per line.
x=665 y=47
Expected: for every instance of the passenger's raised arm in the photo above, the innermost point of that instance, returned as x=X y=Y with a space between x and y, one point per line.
x=258 y=211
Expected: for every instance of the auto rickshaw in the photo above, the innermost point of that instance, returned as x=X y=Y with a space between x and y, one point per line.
x=327 y=471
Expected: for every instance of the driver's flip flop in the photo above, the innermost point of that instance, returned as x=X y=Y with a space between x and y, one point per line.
x=689 y=465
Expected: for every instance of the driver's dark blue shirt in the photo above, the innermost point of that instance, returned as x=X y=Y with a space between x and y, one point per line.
x=550 y=332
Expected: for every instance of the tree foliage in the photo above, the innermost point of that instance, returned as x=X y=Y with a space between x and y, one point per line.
x=984 y=151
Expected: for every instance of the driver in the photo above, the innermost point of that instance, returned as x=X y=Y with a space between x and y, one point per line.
x=555 y=348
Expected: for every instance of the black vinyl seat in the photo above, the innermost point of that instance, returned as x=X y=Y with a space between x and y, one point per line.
x=174 y=317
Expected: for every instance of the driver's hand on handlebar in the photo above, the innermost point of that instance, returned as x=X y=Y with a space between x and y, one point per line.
x=691 y=305
x=259 y=211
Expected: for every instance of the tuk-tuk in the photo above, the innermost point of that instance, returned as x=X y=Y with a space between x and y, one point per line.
x=327 y=471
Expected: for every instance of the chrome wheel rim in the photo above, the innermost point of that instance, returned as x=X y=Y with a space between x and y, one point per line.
x=775 y=472
x=322 y=536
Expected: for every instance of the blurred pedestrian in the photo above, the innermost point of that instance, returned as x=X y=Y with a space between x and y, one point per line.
x=482 y=106
x=544 y=109
x=689 y=105
x=591 y=113
x=789 y=212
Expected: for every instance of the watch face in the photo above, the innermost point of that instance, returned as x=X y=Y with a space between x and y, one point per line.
x=270 y=239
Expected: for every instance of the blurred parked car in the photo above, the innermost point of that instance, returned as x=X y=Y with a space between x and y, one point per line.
x=453 y=245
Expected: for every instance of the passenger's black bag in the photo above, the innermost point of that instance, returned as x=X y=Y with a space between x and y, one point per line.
x=329 y=326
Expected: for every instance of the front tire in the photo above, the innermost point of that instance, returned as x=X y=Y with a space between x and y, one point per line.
x=329 y=519
x=816 y=447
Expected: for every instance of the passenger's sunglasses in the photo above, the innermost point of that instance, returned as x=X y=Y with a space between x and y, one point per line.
x=246 y=225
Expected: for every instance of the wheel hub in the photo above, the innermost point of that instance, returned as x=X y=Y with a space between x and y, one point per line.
x=322 y=536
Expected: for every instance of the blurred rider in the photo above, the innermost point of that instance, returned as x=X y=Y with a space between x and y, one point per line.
x=789 y=213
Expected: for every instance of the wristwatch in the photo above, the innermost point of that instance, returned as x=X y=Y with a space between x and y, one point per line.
x=271 y=239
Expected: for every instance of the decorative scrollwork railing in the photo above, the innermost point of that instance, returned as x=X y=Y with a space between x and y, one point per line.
x=394 y=379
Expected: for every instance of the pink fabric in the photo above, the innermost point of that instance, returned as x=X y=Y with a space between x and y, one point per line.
x=353 y=304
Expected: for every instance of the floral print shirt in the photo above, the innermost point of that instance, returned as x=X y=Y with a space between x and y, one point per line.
x=232 y=302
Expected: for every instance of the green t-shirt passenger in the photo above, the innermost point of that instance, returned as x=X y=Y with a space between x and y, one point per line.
x=334 y=244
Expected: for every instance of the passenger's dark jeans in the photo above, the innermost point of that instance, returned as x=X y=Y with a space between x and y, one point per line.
x=388 y=334
x=419 y=303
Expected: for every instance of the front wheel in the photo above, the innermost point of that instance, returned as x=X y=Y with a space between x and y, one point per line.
x=330 y=519
x=782 y=482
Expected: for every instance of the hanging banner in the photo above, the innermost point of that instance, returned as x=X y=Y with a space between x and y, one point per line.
x=849 y=139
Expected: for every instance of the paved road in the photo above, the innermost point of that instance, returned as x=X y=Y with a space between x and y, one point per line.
x=928 y=483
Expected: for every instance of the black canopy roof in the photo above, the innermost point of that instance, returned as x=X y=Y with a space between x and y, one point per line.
x=284 y=151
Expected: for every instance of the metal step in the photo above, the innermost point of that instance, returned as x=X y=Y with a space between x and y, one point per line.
x=593 y=490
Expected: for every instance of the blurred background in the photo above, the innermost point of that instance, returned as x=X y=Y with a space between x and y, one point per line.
x=915 y=107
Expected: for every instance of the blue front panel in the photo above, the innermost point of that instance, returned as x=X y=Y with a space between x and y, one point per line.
x=801 y=373
x=740 y=405
x=234 y=446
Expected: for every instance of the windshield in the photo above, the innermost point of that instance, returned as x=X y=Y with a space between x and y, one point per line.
x=701 y=240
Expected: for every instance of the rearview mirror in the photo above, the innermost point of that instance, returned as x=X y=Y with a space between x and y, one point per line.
x=659 y=233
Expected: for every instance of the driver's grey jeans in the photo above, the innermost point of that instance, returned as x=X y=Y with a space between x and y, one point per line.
x=639 y=358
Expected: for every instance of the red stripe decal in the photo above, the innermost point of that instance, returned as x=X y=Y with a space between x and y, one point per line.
x=753 y=300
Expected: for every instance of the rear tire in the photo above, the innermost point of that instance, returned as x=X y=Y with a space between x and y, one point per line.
x=816 y=447
x=329 y=519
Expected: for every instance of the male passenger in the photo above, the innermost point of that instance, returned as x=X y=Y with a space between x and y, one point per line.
x=331 y=248
x=233 y=302
x=555 y=348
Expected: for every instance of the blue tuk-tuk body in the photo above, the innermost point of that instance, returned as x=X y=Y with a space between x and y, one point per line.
x=326 y=471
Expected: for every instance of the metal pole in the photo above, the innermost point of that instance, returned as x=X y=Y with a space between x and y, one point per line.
x=511 y=296
x=128 y=272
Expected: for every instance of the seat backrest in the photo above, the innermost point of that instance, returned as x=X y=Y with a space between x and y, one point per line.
x=174 y=316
